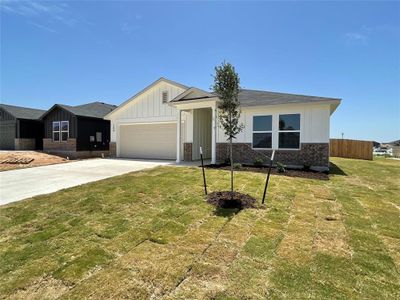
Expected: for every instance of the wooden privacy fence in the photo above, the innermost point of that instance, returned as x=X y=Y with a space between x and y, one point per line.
x=351 y=148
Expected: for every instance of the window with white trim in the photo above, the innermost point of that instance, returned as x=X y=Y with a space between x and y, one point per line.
x=289 y=131
x=56 y=131
x=164 y=96
x=262 y=132
x=64 y=130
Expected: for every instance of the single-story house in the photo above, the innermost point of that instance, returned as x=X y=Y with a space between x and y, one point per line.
x=146 y=126
x=20 y=128
x=77 y=131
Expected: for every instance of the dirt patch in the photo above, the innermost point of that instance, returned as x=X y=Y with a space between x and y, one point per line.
x=331 y=218
x=44 y=288
x=331 y=236
x=35 y=159
x=227 y=199
x=309 y=174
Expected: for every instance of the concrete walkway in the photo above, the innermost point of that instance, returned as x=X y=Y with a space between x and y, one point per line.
x=19 y=184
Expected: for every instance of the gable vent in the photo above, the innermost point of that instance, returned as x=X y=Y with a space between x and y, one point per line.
x=165 y=97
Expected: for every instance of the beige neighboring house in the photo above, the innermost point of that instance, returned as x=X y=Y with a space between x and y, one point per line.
x=146 y=126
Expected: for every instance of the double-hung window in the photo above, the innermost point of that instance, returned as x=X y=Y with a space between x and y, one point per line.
x=262 y=132
x=289 y=131
x=64 y=131
x=56 y=131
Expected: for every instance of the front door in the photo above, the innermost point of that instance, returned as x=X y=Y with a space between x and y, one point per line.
x=202 y=133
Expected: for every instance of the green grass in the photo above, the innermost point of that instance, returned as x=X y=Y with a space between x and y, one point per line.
x=151 y=234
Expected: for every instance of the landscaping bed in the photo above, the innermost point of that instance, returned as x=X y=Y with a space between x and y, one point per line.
x=302 y=173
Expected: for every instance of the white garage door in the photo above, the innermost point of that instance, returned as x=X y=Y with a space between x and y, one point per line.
x=148 y=141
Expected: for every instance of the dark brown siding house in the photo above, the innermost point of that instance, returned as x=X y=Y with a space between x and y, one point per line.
x=20 y=128
x=77 y=131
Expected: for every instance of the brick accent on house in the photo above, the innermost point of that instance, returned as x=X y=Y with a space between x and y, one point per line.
x=25 y=144
x=50 y=145
x=87 y=154
x=187 y=151
x=113 y=149
x=310 y=154
x=68 y=149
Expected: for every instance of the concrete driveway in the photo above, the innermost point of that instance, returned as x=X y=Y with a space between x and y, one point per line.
x=16 y=185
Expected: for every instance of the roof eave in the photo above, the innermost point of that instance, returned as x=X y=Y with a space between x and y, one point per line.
x=189 y=90
x=333 y=103
x=194 y=100
x=21 y=118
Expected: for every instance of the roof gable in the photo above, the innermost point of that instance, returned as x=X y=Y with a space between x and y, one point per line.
x=91 y=110
x=149 y=87
x=20 y=112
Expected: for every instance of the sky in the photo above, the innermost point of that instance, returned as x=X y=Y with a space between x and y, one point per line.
x=76 y=52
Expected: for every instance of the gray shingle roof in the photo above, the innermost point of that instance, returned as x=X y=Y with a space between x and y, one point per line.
x=256 y=98
x=93 y=110
x=20 y=112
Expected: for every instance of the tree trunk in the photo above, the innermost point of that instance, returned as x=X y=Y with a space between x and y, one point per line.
x=231 y=159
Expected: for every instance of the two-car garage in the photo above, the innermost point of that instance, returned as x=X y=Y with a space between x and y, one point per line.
x=144 y=126
x=154 y=141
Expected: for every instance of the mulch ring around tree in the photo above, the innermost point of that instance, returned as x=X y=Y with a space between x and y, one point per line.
x=226 y=199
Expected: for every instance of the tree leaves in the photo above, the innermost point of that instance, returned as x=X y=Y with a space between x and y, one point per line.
x=226 y=86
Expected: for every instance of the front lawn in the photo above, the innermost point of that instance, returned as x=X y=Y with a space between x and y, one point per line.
x=150 y=234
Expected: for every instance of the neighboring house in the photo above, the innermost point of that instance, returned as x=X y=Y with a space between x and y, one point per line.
x=77 y=131
x=396 y=151
x=395 y=148
x=20 y=128
x=145 y=126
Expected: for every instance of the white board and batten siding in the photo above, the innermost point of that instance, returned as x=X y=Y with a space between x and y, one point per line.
x=314 y=122
x=145 y=127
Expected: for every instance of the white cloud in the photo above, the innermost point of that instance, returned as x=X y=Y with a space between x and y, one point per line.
x=43 y=27
x=43 y=15
x=356 y=38
x=32 y=8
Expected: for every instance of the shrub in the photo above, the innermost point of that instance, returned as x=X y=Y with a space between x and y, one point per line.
x=280 y=167
x=227 y=161
x=237 y=166
x=258 y=162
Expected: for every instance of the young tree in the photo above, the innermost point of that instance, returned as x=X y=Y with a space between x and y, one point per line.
x=226 y=86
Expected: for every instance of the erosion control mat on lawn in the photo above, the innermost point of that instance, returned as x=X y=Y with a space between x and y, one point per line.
x=227 y=199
